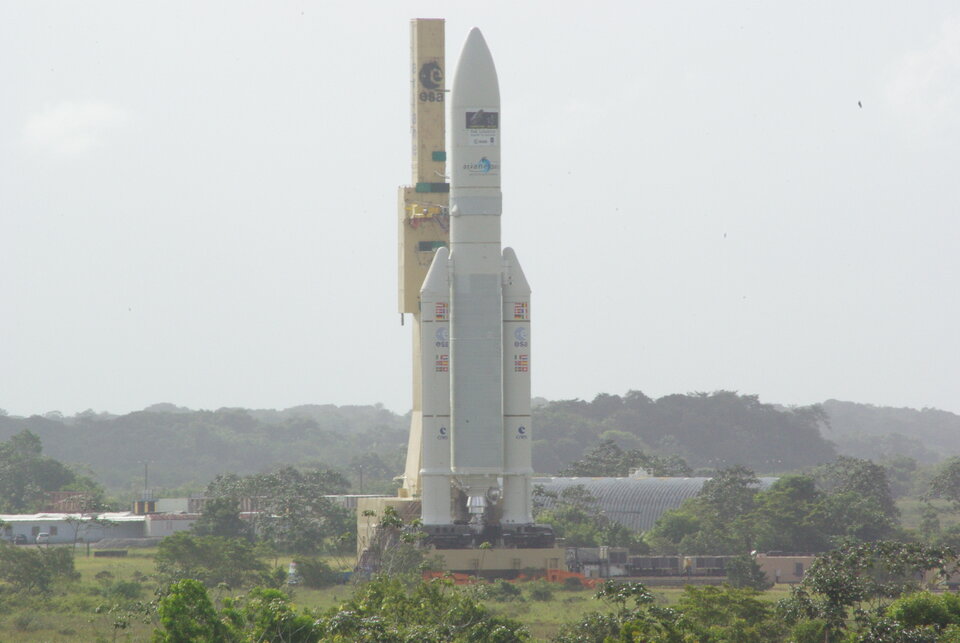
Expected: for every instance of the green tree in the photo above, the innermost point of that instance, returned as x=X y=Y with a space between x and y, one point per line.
x=387 y=609
x=946 y=482
x=607 y=459
x=186 y=614
x=575 y=516
x=221 y=517
x=729 y=614
x=25 y=475
x=31 y=569
x=394 y=549
x=672 y=527
x=719 y=520
x=863 y=478
x=634 y=617
x=849 y=581
x=291 y=510
x=744 y=571
x=209 y=559
x=850 y=515
x=266 y=615
x=782 y=516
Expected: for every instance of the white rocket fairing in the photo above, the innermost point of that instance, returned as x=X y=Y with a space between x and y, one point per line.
x=475 y=329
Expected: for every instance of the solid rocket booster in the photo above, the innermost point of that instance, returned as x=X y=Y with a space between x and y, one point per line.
x=475 y=315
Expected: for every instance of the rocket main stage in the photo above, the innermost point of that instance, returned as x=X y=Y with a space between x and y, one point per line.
x=475 y=451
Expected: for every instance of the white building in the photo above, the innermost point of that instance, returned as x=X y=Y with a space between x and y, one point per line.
x=65 y=528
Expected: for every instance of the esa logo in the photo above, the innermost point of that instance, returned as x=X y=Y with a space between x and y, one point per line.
x=521 y=433
x=521 y=337
x=443 y=337
x=443 y=433
x=431 y=77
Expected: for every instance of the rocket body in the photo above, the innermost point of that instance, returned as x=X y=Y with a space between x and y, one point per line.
x=475 y=311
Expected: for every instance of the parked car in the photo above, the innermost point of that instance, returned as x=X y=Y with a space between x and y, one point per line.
x=20 y=539
x=43 y=538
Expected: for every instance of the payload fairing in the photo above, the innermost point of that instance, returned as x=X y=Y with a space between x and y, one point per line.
x=475 y=342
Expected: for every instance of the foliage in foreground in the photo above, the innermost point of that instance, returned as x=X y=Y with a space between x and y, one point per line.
x=385 y=609
x=186 y=613
x=703 y=614
x=853 y=588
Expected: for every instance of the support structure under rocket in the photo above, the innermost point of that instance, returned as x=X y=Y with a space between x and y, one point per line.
x=475 y=342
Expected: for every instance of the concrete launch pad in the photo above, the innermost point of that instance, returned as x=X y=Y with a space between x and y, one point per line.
x=496 y=562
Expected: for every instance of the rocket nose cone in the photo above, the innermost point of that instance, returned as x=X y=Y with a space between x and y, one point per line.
x=475 y=81
x=475 y=36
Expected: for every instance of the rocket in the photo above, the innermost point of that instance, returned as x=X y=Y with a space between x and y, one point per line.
x=475 y=340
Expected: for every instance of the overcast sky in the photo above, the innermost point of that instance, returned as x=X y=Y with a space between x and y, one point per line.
x=198 y=200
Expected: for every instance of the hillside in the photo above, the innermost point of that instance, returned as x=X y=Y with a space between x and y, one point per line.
x=879 y=432
x=186 y=447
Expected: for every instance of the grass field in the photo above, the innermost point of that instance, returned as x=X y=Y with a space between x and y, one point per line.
x=82 y=610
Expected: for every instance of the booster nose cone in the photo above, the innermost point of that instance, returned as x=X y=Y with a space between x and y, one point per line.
x=475 y=81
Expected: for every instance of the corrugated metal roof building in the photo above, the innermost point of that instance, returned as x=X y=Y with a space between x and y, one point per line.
x=635 y=502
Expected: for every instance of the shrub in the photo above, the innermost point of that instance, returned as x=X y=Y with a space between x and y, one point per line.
x=541 y=590
x=502 y=591
x=33 y=569
x=573 y=584
x=744 y=571
x=316 y=573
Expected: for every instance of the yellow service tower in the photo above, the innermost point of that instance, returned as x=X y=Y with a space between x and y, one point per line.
x=424 y=220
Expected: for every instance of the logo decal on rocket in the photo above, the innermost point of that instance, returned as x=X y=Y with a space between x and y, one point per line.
x=482 y=127
x=443 y=337
x=520 y=337
x=483 y=166
x=483 y=120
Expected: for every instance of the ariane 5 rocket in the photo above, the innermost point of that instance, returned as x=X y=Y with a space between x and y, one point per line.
x=475 y=341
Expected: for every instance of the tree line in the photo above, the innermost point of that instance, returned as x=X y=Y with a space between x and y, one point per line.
x=185 y=449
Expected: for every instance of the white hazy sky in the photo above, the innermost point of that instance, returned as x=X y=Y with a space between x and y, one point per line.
x=198 y=200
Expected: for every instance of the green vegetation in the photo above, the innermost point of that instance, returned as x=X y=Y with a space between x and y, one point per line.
x=186 y=449
x=25 y=476
x=608 y=459
x=576 y=517
x=291 y=512
x=856 y=593
x=732 y=516
x=881 y=525
x=715 y=431
x=209 y=559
